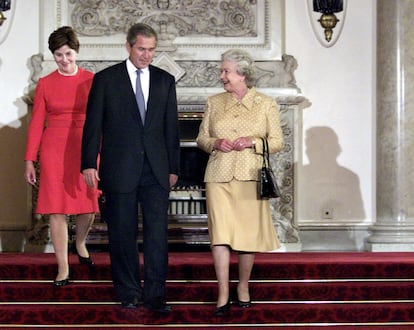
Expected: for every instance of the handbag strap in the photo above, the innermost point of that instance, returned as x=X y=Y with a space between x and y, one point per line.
x=265 y=152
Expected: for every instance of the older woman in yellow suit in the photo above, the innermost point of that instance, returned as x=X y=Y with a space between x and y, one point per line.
x=233 y=125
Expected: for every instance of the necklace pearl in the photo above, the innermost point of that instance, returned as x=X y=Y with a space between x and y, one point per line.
x=69 y=74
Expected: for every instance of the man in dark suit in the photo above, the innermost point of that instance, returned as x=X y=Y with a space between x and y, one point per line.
x=139 y=163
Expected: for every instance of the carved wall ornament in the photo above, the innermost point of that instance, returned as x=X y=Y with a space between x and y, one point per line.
x=170 y=18
x=166 y=62
x=271 y=74
x=282 y=164
x=203 y=74
x=191 y=29
x=36 y=61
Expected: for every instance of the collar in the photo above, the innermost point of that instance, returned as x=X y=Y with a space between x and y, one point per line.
x=246 y=101
x=132 y=68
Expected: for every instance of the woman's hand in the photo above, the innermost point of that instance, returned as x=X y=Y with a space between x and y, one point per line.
x=242 y=143
x=223 y=145
x=30 y=172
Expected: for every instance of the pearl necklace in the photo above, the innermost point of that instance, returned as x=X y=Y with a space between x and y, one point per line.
x=69 y=74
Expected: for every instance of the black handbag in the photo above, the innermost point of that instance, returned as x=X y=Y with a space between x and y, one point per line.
x=267 y=185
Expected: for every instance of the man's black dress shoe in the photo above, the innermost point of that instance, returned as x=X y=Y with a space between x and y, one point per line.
x=222 y=310
x=158 y=306
x=59 y=283
x=130 y=303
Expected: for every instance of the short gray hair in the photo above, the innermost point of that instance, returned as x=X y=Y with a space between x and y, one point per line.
x=244 y=64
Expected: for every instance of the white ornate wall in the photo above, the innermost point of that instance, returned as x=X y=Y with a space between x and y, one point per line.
x=339 y=83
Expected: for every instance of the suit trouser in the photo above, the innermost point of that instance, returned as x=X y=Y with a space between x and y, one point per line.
x=122 y=220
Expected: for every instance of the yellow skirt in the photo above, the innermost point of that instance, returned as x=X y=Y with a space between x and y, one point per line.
x=238 y=218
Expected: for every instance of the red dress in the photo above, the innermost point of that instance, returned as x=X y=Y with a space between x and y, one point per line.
x=55 y=129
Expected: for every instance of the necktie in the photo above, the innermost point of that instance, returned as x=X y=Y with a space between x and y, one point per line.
x=139 y=96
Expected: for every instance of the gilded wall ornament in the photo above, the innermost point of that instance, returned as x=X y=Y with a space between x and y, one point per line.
x=327 y=18
x=6 y=18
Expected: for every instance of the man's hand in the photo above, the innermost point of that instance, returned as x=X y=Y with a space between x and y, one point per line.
x=91 y=177
x=173 y=180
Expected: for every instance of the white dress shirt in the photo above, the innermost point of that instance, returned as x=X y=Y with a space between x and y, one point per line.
x=145 y=77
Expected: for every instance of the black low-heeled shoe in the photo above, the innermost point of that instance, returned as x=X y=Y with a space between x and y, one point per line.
x=244 y=304
x=82 y=260
x=222 y=310
x=85 y=260
x=60 y=283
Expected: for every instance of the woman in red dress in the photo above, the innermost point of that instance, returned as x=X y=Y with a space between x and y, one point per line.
x=56 y=130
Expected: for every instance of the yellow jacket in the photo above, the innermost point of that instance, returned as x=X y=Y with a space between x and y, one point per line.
x=255 y=116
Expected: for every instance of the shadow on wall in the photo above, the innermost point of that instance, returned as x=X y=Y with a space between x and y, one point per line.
x=329 y=191
x=13 y=191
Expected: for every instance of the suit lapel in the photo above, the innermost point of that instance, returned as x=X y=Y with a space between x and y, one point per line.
x=154 y=94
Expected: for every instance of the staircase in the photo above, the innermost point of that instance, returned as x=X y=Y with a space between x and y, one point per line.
x=289 y=291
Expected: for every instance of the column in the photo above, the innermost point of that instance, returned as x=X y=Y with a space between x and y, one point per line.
x=394 y=226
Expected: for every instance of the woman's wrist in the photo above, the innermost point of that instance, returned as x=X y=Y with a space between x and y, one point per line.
x=214 y=148
x=253 y=144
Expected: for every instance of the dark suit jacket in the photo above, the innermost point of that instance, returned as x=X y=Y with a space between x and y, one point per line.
x=113 y=129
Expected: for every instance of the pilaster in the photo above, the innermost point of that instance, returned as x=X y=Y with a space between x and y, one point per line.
x=394 y=226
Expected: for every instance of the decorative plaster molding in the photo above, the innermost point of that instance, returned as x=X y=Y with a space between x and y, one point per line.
x=201 y=74
x=191 y=30
x=171 y=18
x=165 y=61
